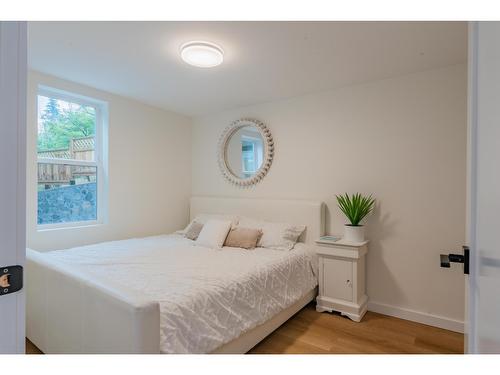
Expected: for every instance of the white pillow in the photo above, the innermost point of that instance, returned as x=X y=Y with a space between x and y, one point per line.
x=278 y=236
x=214 y=233
x=203 y=218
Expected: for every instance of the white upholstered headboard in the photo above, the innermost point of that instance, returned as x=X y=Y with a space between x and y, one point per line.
x=301 y=212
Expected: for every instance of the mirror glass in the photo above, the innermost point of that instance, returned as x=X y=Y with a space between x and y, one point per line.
x=245 y=152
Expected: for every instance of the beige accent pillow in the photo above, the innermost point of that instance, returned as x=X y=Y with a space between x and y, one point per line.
x=246 y=238
x=193 y=230
x=278 y=236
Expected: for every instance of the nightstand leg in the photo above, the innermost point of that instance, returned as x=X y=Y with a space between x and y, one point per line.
x=322 y=309
x=355 y=318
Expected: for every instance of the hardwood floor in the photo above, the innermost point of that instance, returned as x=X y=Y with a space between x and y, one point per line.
x=310 y=332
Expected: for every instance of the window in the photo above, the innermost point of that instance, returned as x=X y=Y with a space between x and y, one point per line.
x=71 y=159
x=251 y=155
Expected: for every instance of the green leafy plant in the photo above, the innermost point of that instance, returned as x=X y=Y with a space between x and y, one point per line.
x=355 y=207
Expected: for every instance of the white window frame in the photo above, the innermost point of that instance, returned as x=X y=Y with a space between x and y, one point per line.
x=100 y=155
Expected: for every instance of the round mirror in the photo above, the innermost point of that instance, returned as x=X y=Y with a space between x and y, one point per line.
x=245 y=152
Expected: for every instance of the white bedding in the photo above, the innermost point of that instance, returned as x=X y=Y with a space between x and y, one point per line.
x=207 y=297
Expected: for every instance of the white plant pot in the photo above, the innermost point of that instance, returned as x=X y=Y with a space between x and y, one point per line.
x=354 y=233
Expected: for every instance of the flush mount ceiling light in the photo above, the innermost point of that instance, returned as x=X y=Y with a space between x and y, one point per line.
x=202 y=54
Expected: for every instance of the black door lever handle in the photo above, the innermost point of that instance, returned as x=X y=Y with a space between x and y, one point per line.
x=446 y=259
x=456 y=258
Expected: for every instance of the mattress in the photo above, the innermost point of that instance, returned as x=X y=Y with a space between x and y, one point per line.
x=207 y=297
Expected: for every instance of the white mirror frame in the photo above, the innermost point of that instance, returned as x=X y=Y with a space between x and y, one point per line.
x=267 y=157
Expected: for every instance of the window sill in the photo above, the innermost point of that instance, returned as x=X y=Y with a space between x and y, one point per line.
x=79 y=225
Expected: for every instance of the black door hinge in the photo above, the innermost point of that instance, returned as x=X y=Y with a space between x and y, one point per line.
x=11 y=279
x=446 y=259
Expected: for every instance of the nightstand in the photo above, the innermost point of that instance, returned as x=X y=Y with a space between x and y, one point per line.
x=342 y=278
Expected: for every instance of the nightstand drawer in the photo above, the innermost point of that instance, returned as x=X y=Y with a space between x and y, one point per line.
x=337 y=279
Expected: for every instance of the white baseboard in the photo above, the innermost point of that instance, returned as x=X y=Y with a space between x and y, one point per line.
x=417 y=316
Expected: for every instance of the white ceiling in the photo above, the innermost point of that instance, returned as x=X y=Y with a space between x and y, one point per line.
x=264 y=61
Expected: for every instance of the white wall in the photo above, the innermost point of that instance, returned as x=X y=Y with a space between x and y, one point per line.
x=402 y=140
x=149 y=170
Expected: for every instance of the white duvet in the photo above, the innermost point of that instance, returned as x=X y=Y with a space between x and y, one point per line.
x=207 y=297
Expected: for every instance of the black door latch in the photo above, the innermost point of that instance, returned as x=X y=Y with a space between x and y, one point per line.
x=446 y=259
x=11 y=279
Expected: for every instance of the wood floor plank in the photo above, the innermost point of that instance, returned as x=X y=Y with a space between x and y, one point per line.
x=310 y=332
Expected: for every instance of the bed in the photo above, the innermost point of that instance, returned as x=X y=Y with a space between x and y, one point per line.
x=161 y=294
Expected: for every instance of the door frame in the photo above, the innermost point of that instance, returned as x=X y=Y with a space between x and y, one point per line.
x=13 y=87
x=470 y=280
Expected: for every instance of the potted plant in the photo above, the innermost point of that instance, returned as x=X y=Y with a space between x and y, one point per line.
x=355 y=208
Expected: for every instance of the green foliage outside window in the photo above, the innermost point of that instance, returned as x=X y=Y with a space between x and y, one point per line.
x=62 y=121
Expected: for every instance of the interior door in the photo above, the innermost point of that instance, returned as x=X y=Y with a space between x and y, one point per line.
x=13 y=71
x=484 y=188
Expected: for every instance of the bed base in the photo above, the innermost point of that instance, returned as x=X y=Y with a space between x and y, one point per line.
x=68 y=313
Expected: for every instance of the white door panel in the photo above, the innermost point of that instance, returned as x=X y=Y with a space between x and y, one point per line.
x=13 y=174
x=484 y=188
